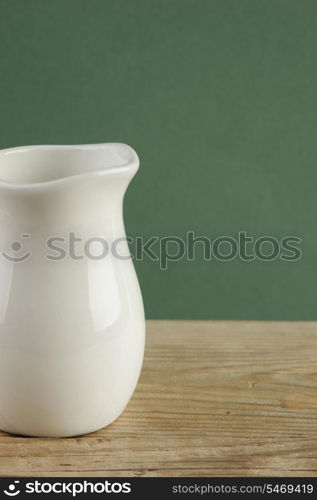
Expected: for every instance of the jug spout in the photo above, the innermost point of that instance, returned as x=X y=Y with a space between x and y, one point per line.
x=49 y=189
x=48 y=167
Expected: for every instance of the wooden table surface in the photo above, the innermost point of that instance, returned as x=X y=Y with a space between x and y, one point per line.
x=215 y=398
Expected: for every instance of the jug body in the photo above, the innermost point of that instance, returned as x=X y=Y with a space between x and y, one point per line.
x=71 y=311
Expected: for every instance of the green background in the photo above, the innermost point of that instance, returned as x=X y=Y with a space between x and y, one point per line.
x=219 y=99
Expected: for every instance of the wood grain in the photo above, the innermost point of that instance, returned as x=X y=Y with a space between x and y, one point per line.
x=215 y=398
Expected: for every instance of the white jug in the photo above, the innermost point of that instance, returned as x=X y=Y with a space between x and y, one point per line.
x=71 y=312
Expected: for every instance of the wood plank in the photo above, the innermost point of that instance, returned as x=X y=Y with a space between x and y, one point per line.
x=215 y=398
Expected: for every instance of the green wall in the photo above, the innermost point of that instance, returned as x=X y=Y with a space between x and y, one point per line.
x=219 y=99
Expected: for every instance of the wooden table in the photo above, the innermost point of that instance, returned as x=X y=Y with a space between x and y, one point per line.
x=216 y=398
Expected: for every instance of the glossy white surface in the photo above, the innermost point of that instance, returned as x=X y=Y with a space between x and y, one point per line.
x=71 y=330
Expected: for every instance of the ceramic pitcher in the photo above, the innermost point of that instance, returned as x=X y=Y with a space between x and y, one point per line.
x=71 y=312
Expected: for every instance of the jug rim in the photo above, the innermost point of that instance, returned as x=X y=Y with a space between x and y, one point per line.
x=128 y=162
